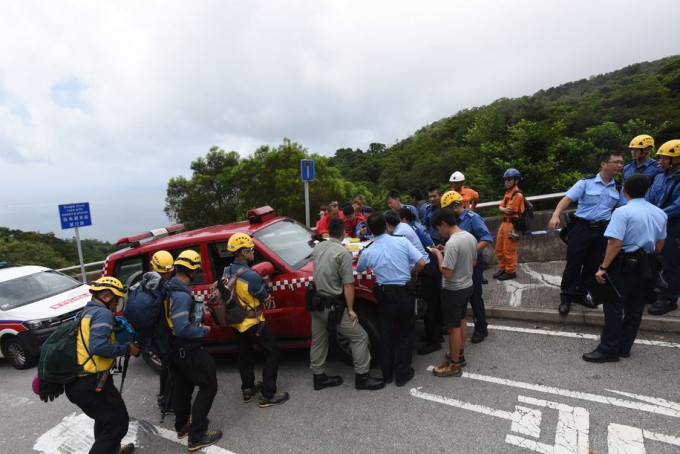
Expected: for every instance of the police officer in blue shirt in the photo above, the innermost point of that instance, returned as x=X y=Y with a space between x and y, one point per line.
x=665 y=194
x=640 y=147
x=597 y=196
x=395 y=263
x=636 y=230
x=472 y=223
x=434 y=195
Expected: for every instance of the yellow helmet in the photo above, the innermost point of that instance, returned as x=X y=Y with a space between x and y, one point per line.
x=107 y=283
x=670 y=148
x=189 y=259
x=239 y=241
x=162 y=262
x=642 y=141
x=449 y=197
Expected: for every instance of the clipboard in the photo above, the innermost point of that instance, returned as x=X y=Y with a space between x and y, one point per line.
x=602 y=293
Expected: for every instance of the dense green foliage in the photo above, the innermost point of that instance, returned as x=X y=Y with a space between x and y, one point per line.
x=33 y=248
x=553 y=137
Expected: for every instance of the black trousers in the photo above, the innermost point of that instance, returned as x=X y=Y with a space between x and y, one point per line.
x=192 y=368
x=476 y=300
x=395 y=309
x=106 y=407
x=432 y=293
x=584 y=253
x=246 y=342
x=622 y=316
x=671 y=260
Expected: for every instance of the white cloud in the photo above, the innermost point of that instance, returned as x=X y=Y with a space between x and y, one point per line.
x=146 y=87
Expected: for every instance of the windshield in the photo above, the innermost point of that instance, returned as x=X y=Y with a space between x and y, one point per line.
x=34 y=287
x=289 y=240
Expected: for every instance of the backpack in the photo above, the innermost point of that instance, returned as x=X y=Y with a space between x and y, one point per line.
x=143 y=310
x=523 y=222
x=59 y=354
x=223 y=302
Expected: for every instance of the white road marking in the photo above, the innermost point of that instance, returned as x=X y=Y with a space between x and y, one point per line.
x=575 y=335
x=75 y=435
x=623 y=439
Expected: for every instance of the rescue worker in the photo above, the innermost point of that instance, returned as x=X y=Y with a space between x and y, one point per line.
x=253 y=293
x=395 y=264
x=637 y=230
x=597 y=196
x=334 y=281
x=434 y=195
x=640 y=147
x=323 y=211
x=162 y=265
x=665 y=194
x=352 y=220
x=473 y=223
x=97 y=349
x=191 y=365
x=393 y=200
x=333 y=212
x=507 y=238
x=470 y=196
x=418 y=202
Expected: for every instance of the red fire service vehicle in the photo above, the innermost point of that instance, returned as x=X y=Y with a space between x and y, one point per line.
x=283 y=248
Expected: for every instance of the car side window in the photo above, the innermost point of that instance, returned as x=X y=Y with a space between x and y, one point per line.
x=222 y=258
x=129 y=271
x=199 y=277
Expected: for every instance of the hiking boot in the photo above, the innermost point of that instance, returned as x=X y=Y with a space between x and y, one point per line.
x=461 y=359
x=662 y=306
x=366 y=381
x=184 y=431
x=322 y=381
x=505 y=276
x=447 y=369
x=249 y=393
x=208 y=438
x=277 y=399
x=478 y=337
x=127 y=449
x=429 y=348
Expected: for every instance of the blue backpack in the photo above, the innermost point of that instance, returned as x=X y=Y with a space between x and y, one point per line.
x=144 y=312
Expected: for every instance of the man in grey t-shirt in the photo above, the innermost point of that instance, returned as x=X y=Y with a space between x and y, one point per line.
x=456 y=264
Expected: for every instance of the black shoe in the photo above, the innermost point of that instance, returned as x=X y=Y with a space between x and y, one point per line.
x=277 y=399
x=409 y=375
x=478 y=337
x=427 y=340
x=662 y=306
x=183 y=432
x=208 y=438
x=625 y=354
x=166 y=411
x=250 y=393
x=429 y=348
x=322 y=381
x=596 y=356
x=565 y=305
x=498 y=273
x=586 y=301
x=127 y=449
x=505 y=276
x=365 y=381
x=485 y=281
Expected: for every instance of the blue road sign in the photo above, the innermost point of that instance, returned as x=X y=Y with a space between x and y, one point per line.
x=307 y=167
x=75 y=215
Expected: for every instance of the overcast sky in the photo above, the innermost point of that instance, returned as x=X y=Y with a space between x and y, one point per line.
x=103 y=102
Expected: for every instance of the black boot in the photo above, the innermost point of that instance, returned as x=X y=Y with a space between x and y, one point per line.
x=565 y=305
x=365 y=381
x=322 y=381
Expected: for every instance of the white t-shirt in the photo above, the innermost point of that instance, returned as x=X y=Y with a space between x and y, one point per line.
x=459 y=255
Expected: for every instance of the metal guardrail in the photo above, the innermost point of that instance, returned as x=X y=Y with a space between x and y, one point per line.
x=532 y=198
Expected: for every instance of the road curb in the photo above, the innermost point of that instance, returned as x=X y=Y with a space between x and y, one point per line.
x=578 y=317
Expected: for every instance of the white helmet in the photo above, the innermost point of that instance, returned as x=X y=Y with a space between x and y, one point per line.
x=457 y=177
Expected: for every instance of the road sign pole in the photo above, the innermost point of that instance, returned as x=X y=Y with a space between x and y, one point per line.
x=80 y=256
x=307 y=203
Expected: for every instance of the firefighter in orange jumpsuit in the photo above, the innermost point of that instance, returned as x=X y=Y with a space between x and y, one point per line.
x=507 y=239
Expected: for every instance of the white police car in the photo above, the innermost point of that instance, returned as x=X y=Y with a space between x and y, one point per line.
x=34 y=301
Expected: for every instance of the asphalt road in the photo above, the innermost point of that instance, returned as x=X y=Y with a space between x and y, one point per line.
x=525 y=389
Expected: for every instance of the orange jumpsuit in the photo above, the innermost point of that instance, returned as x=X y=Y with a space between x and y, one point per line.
x=506 y=247
x=468 y=195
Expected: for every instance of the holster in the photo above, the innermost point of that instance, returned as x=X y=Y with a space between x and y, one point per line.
x=628 y=263
x=314 y=302
x=337 y=305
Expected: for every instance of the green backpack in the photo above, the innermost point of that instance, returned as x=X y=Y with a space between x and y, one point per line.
x=59 y=354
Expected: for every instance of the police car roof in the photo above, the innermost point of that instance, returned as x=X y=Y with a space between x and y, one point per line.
x=14 y=271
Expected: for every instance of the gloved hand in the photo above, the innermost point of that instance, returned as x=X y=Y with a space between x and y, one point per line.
x=122 y=330
x=50 y=391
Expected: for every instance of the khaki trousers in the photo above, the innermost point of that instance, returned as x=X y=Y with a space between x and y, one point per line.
x=356 y=335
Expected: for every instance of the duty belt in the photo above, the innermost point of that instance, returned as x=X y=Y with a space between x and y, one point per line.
x=591 y=224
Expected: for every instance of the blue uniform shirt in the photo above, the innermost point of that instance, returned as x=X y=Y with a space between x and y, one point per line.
x=421 y=208
x=391 y=259
x=409 y=233
x=473 y=223
x=181 y=309
x=595 y=199
x=650 y=168
x=426 y=222
x=101 y=324
x=638 y=224
x=659 y=191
